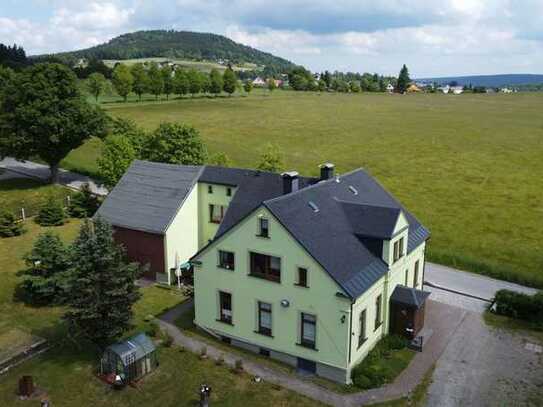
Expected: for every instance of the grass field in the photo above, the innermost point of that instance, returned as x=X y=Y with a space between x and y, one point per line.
x=468 y=166
x=17 y=193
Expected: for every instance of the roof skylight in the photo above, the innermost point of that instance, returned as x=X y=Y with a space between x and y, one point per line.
x=313 y=206
x=353 y=190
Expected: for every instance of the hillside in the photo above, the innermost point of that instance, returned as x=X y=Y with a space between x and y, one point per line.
x=178 y=45
x=491 y=81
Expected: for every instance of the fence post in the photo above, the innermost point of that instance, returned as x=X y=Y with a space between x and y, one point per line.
x=23 y=214
x=68 y=200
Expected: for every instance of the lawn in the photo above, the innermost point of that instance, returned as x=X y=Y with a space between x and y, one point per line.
x=66 y=372
x=17 y=193
x=468 y=166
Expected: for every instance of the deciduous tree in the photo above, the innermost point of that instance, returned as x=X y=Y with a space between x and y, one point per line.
x=43 y=114
x=216 y=82
x=181 y=82
x=141 y=79
x=156 y=80
x=230 y=81
x=248 y=86
x=96 y=83
x=271 y=159
x=117 y=154
x=122 y=80
x=176 y=144
x=167 y=79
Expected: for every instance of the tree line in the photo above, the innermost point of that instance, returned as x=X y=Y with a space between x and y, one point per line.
x=141 y=79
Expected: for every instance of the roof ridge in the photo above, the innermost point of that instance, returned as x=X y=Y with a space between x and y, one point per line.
x=317 y=184
x=342 y=201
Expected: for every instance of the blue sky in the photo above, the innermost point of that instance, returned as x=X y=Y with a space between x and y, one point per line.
x=433 y=37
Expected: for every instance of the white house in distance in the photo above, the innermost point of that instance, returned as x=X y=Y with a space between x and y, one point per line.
x=259 y=82
x=390 y=88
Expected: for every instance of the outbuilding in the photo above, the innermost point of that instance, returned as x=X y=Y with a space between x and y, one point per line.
x=130 y=360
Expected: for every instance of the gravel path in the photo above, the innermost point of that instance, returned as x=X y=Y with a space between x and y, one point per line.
x=441 y=318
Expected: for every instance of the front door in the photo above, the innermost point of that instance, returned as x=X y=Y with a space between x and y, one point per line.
x=403 y=323
x=307 y=365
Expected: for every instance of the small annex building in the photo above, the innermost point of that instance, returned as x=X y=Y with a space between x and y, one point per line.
x=131 y=359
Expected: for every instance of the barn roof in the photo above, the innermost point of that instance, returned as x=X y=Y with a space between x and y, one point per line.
x=149 y=195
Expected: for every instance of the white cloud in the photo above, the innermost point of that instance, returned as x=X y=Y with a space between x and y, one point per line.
x=433 y=37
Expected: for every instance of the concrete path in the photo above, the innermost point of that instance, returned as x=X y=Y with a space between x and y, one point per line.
x=441 y=318
x=41 y=172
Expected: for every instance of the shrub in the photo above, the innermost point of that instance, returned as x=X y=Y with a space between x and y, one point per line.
x=51 y=213
x=152 y=330
x=84 y=203
x=238 y=366
x=168 y=340
x=9 y=226
x=394 y=342
x=518 y=305
x=220 y=360
x=203 y=352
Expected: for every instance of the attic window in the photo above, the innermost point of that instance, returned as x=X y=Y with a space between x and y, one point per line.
x=313 y=206
x=353 y=190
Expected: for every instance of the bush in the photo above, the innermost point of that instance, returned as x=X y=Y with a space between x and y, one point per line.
x=518 y=305
x=372 y=372
x=203 y=352
x=238 y=366
x=168 y=340
x=84 y=203
x=9 y=226
x=220 y=360
x=152 y=330
x=51 y=213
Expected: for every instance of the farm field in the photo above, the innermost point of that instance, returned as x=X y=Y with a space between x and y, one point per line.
x=468 y=166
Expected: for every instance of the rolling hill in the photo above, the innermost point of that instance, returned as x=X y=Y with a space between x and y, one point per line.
x=491 y=81
x=177 y=45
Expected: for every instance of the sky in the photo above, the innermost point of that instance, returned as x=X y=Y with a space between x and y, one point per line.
x=433 y=37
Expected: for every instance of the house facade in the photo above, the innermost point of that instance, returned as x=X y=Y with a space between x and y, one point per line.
x=303 y=270
x=306 y=297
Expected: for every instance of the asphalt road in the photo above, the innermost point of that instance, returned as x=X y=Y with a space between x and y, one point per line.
x=41 y=172
x=466 y=290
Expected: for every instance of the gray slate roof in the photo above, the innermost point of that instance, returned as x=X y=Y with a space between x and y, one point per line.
x=409 y=296
x=254 y=187
x=333 y=235
x=149 y=195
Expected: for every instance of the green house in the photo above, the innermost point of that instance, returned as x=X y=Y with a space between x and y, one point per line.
x=303 y=270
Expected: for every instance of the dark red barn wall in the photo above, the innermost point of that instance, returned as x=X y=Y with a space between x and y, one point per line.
x=143 y=247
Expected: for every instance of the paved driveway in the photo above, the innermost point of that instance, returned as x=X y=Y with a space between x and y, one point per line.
x=484 y=366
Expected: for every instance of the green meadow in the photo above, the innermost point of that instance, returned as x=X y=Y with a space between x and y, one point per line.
x=468 y=166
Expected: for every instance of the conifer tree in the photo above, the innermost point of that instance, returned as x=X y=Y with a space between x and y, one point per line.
x=101 y=288
x=9 y=226
x=403 y=80
x=51 y=213
x=45 y=275
x=84 y=203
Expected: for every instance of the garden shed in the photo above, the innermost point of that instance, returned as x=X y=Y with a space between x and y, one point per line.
x=131 y=359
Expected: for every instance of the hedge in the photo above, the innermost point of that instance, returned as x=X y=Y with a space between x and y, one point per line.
x=518 y=305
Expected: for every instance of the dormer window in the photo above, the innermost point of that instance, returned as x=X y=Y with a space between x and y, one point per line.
x=263 y=227
x=398 y=249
